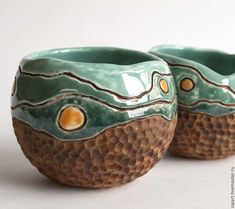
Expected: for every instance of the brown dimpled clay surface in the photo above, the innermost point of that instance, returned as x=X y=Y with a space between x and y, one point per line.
x=116 y=156
x=203 y=136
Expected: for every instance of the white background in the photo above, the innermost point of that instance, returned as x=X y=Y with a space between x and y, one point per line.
x=30 y=25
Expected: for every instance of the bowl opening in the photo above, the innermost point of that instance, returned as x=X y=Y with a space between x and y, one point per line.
x=107 y=55
x=220 y=62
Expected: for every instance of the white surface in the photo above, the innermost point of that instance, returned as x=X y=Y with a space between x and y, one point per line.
x=30 y=25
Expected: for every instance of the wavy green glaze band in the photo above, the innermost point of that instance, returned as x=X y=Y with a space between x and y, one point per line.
x=111 y=85
x=211 y=72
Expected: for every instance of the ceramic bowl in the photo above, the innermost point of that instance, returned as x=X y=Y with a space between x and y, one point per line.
x=93 y=117
x=205 y=81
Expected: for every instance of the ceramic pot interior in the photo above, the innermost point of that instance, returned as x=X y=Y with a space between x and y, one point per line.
x=107 y=55
x=220 y=62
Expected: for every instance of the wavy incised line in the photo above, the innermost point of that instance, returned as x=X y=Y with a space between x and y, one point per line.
x=202 y=76
x=180 y=108
x=57 y=98
x=69 y=74
x=206 y=101
x=96 y=134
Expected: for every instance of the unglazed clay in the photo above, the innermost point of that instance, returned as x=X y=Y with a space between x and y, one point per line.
x=205 y=81
x=95 y=116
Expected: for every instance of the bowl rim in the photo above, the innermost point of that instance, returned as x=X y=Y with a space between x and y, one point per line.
x=45 y=55
x=205 y=69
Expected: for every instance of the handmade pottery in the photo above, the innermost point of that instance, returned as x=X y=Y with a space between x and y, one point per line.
x=95 y=116
x=205 y=81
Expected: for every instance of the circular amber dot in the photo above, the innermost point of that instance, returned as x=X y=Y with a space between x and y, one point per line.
x=164 y=86
x=187 y=84
x=72 y=118
x=13 y=87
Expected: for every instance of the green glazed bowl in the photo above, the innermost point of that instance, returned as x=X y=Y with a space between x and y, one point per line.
x=94 y=116
x=205 y=81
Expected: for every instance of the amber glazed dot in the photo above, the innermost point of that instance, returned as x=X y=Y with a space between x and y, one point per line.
x=187 y=84
x=164 y=86
x=72 y=118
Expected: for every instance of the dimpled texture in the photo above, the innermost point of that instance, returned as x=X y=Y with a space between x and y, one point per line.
x=202 y=136
x=116 y=156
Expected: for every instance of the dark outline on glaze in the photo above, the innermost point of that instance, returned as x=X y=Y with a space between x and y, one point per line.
x=190 y=80
x=203 y=113
x=13 y=87
x=202 y=76
x=76 y=129
x=57 y=98
x=206 y=101
x=69 y=74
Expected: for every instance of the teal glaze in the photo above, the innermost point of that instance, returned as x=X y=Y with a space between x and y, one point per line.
x=112 y=86
x=213 y=73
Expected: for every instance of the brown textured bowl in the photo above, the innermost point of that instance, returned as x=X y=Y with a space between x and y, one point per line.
x=106 y=120
x=203 y=136
x=205 y=81
x=116 y=156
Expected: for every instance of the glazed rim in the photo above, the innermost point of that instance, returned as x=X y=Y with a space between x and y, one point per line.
x=99 y=55
x=220 y=62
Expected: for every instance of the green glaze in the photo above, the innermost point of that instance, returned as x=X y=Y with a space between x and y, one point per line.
x=112 y=86
x=212 y=72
